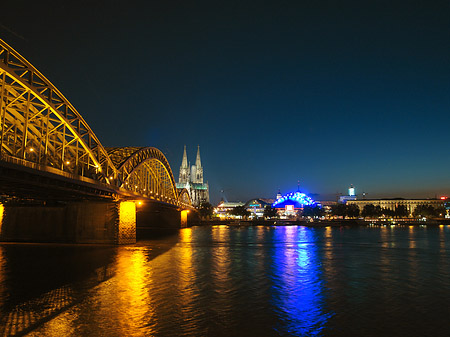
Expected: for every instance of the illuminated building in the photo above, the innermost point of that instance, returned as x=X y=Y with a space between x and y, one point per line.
x=279 y=195
x=224 y=209
x=351 y=195
x=292 y=204
x=351 y=191
x=191 y=178
x=391 y=204
x=256 y=206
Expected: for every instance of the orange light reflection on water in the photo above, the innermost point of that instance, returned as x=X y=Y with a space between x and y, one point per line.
x=131 y=298
x=412 y=255
x=221 y=255
x=186 y=270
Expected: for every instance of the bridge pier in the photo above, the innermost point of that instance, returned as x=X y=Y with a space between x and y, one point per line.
x=153 y=217
x=104 y=222
x=75 y=222
x=126 y=227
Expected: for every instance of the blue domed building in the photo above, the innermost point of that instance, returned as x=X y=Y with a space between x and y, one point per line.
x=292 y=203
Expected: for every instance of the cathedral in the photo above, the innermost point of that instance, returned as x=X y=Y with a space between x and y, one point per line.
x=191 y=178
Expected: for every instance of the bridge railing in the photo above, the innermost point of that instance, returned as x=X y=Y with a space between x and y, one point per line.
x=23 y=162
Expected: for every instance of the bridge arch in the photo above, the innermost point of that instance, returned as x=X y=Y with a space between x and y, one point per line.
x=184 y=197
x=145 y=170
x=40 y=126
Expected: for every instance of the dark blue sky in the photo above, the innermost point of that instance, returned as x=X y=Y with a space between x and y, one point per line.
x=330 y=93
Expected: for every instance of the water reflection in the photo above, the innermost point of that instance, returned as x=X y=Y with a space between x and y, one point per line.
x=234 y=281
x=38 y=288
x=134 y=277
x=298 y=289
x=186 y=287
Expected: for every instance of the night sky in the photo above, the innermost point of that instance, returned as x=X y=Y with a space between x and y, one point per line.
x=330 y=93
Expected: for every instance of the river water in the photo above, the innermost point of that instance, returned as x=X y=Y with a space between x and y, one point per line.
x=234 y=281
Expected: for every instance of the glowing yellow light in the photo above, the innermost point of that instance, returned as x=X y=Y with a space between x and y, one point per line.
x=127 y=222
x=2 y=208
x=132 y=277
x=31 y=149
x=110 y=178
x=184 y=218
x=67 y=162
x=139 y=203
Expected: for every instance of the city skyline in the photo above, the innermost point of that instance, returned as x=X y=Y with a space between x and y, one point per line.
x=330 y=95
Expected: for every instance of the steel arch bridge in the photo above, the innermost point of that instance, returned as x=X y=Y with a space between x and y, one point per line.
x=41 y=129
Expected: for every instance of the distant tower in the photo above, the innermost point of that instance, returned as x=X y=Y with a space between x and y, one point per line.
x=351 y=191
x=279 y=194
x=184 y=169
x=199 y=169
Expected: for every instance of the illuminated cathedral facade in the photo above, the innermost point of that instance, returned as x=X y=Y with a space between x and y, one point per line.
x=191 y=178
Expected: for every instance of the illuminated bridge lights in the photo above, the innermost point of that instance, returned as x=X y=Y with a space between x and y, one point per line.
x=40 y=128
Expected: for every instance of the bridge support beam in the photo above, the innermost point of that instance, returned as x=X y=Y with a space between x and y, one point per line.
x=76 y=222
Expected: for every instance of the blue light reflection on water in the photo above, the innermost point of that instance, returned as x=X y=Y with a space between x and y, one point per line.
x=234 y=281
x=298 y=289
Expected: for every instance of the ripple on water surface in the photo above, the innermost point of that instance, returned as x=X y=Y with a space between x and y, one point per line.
x=227 y=281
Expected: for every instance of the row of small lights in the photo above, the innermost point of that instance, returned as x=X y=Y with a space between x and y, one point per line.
x=68 y=163
x=301 y=197
x=31 y=149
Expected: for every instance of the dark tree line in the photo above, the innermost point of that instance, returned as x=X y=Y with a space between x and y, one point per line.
x=270 y=212
x=240 y=211
x=429 y=211
x=206 y=210
x=344 y=210
x=372 y=211
x=313 y=211
x=400 y=211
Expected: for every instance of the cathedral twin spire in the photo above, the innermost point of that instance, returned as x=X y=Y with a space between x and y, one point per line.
x=191 y=179
x=193 y=174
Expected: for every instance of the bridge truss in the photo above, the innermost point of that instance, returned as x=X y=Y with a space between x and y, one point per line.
x=41 y=129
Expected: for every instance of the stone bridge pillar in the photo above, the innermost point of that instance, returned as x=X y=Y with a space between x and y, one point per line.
x=108 y=222
x=126 y=226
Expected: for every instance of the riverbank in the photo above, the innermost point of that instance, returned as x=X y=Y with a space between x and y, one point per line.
x=326 y=223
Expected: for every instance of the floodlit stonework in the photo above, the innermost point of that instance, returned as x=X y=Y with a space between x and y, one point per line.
x=191 y=178
x=127 y=223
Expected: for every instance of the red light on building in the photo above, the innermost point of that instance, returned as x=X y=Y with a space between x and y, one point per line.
x=443 y=198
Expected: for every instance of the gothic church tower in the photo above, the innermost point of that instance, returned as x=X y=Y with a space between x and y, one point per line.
x=191 y=178
x=184 y=169
x=198 y=169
